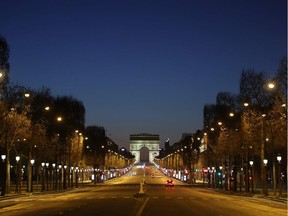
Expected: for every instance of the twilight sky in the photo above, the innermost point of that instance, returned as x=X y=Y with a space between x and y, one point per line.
x=145 y=66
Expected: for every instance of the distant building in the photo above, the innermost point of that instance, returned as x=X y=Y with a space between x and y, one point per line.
x=138 y=141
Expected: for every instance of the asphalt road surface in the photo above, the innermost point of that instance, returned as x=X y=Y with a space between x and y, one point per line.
x=125 y=196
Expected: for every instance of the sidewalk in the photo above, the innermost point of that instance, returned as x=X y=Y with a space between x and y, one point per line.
x=36 y=191
x=255 y=194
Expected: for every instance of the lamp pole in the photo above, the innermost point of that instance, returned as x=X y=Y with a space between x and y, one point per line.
x=280 y=177
x=64 y=177
x=32 y=161
x=221 y=181
x=209 y=177
x=43 y=176
x=252 y=185
x=60 y=174
x=265 y=190
x=53 y=177
x=76 y=176
x=47 y=176
x=17 y=188
x=213 y=178
x=3 y=157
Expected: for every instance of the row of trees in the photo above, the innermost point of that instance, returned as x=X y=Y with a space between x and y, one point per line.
x=45 y=129
x=239 y=128
x=250 y=126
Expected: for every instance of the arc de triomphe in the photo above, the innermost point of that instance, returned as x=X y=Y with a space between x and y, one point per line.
x=138 y=141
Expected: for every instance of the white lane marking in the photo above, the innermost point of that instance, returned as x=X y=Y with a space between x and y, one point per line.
x=142 y=207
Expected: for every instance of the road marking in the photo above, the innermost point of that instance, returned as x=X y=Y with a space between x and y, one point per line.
x=142 y=207
x=155 y=197
x=179 y=197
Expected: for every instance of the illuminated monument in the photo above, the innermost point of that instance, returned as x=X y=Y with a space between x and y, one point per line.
x=138 y=141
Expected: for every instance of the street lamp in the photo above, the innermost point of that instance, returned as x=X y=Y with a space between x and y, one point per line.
x=43 y=176
x=53 y=176
x=47 y=176
x=60 y=175
x=280 y=177
x=209 y=177
x=32 y=161
x=213 y=177
x=265 y=190
x=271 y=85
x=64 y=176
x=3 y=191
x=76 y=173
x=252 y=186
x=220 y=167
x=3 y=157
x=17 y=189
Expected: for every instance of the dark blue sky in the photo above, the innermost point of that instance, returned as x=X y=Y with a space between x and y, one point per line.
x=142 y=66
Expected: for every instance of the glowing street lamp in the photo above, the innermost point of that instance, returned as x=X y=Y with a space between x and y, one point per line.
x=251 y=164
x=221 y=179
x=279 y=177
x=17 y=174
x=3 y=157
x=43 y=176
x=32 y=161
x=265 y=190
x=271 y=85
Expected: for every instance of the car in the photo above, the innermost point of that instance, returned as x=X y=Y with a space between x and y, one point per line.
x=169 y=183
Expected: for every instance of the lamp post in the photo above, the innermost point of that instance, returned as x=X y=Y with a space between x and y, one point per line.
x=213 y=177
x=3 y=157
x=32 y=161
x=76 y=176
x=17 y=188
x=221 y=181
x=208 y=176
x=279 y=176
x=47 y=178
x=43 y=176
x=60 y=174
x=265 y=190
x=252 y=185
x=64 y=177
x=53 y=176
